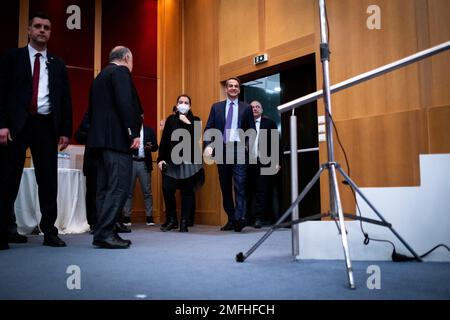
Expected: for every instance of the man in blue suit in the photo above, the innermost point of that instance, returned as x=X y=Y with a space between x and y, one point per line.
x=228 y=117
x=35 y=112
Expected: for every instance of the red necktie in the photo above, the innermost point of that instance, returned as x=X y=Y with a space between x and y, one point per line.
x=36 y=72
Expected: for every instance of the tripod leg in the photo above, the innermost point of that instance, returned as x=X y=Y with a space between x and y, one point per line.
x=355 y=187
x=240 y=257
x=342 y=228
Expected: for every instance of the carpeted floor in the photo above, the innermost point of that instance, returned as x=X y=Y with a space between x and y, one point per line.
x=200 y=265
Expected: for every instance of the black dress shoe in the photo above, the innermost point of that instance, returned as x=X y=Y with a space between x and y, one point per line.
x=229 y=226
x=17 y=238
x=184 y=226
x=126 y=240
x=170 y=225
x=258 y=224
x=53 y=240
x=111 y=243
x=239 y=226
x=121 y=228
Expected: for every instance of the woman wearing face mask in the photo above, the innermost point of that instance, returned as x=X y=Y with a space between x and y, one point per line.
x=183 y=170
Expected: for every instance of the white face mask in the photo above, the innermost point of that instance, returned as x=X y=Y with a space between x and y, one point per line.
x=183 y=108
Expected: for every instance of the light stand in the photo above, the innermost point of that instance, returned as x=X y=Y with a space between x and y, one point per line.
x=336 y=211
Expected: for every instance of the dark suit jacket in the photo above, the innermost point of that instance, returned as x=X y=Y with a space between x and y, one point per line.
x=149 y=136
x=16 y=89
x=114 y=110
x=268 y=124
x=216 y=119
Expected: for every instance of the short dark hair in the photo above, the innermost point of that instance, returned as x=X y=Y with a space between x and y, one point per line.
x=233 y=78
x=118 y=54
x=38 y=14
x=184 y=95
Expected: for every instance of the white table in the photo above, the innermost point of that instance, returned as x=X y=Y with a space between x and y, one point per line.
x=71 y=202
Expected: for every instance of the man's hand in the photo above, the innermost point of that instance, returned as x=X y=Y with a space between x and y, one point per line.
x=5 y=136
x=160 y=164
x=208 y=151
x=135 y=144
x=63 y=143
x=207 y=154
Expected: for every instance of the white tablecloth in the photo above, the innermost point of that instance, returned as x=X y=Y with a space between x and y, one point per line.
x=71 y=202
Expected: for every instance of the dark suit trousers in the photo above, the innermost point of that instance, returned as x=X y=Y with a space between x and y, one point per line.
x=91 y=199
x=258 y=192
x=39 y=135
x=113 y=182
x=90 y=172
x=229 y=175
x=186 y=186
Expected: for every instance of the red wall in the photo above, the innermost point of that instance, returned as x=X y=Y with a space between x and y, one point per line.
x=75 y=47
x=131 y=23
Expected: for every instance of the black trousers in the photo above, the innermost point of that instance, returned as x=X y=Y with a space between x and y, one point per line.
x=258 y=193
x=39 y=135
x=90 y=171
x=186 y=186
x=113 y=182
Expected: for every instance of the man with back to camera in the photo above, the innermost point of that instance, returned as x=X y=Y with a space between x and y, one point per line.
x=115 y=122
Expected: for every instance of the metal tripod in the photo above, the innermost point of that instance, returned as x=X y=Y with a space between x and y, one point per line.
x=336 y=211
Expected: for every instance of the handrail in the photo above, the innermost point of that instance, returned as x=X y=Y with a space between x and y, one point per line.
x=365 y=76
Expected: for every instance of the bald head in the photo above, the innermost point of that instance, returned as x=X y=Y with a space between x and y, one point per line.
x=121 y=55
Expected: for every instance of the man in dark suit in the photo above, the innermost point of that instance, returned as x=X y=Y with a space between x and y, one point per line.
x=90 y=160
x=258 y=183
x=228 y=116
x=115 y=121
x=142 y=169
x=35 y=112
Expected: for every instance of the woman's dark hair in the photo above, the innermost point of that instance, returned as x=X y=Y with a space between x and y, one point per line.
x=184 y=95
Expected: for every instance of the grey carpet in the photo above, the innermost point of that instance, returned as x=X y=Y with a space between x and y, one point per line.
x=200 y=265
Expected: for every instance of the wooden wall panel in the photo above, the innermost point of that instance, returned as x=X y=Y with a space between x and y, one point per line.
x=356 y=49
x=439 y=136
x=384 y=123
x=170 y=55
x=169 y=82
x=439 y=17
x=203 y=85
x=238 y=29
x=382 y=151
x=288 y=20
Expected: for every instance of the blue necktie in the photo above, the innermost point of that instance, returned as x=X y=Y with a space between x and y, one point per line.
x=228 y=123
